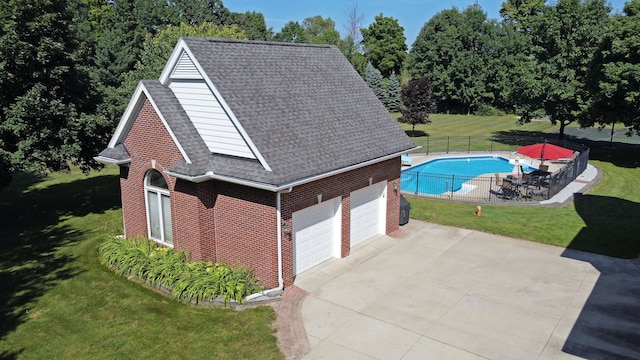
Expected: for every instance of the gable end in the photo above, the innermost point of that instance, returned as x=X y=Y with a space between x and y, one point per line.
x=185 y=68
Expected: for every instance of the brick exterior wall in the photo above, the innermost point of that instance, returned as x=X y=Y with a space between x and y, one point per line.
x=221 y=221
x=246 y=229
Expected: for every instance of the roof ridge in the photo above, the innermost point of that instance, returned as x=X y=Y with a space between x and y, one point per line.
x=255 y=42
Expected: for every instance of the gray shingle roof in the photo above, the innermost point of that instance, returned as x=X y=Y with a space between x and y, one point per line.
x=117 y=153
x=304 y=107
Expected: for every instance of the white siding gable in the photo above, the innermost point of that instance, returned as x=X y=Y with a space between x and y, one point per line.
x=185 y=68
x=210 y=119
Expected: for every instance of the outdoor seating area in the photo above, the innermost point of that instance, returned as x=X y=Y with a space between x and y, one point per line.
x=530 y=186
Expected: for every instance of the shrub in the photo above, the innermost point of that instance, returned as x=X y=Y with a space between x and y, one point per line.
x=188 y=281
x=488 y=110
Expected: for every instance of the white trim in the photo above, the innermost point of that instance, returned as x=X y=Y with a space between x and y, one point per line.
x=130 y=114
x=274 y=188
x=106 y=160
x=165 y=79
x=159 y=191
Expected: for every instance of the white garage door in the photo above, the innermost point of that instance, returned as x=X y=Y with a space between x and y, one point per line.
x=316 y=234
x=368 y=212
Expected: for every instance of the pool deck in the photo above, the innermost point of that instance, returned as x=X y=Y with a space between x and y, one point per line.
x=581 y=184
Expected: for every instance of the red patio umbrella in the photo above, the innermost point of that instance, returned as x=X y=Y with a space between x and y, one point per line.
x=545 y=151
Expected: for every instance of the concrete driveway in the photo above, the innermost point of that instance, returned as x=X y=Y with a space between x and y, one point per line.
x=446 y=293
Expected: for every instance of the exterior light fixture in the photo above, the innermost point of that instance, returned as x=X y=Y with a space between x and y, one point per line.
x=286 y=229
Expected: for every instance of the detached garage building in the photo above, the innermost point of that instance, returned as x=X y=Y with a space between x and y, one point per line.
x=274 y=156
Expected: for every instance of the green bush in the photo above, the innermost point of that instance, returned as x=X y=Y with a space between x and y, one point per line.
x=488 y=110
x=164 y=268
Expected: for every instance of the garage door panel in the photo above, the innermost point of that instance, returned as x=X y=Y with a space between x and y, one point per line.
x=368 y=212
x=316 y=234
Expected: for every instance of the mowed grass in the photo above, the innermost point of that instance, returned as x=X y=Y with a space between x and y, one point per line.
x=605 y=220
x=431 y=137
x=58 y=302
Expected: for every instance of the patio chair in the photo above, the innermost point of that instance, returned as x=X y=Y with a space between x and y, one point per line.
x=506 y=190
x=543 y=167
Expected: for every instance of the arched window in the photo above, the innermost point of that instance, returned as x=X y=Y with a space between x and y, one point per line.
x=158 y=208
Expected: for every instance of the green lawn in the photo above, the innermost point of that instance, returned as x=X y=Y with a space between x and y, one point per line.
x=58 y=302
x=605 y=220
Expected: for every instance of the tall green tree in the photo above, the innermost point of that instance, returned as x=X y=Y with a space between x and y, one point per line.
x=385 y=44
x=253 y=25
x=565 y=39
x=417 y=103
x=120 y=46
x=43 y=87
x=453 y=50
x=196 y=12
x=320 y=30
x=614 y=77
x=521 y=13
x=292 y=32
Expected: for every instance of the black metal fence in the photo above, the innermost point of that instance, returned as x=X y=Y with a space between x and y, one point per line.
x=468 y=144
x=489 y=188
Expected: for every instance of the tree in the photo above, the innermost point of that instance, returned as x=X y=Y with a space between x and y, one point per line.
x=43 y=88
x=373 y=77
x=120 y=45
x=520 y=13
x=418 y=103
x=253 y=25
x=453 y=50
x=351 y=45
x=385 y=44
x=614 y=77
x=292 y=32
x=196 y=12
x=565 y=40
x=320 y=30
x=394 y=93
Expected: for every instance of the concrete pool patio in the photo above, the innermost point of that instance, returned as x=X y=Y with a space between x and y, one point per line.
x=446 y=293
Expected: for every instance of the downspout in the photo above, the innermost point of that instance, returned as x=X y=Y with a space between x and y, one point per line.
x=279 y=229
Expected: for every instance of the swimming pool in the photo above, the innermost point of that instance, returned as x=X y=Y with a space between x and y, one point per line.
x=449 y=174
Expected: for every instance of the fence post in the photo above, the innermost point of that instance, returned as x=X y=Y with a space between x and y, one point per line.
x=427 y=145
x=417 y=182
x=469 y=146
x=453 y=182
x=448 y=137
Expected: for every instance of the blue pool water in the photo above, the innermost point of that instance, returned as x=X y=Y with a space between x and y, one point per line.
x=448 y=174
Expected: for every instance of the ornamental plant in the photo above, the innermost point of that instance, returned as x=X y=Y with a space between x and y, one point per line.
x=160 y=267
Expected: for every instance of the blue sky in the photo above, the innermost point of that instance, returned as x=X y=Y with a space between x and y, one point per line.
x=411 y=14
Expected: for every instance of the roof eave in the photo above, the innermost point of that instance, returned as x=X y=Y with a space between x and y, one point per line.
x=107 y=160
x=275 y=188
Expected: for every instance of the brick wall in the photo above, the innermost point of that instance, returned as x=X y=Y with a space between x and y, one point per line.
x=246 y=229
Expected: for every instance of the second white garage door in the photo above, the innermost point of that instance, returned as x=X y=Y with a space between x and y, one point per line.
x=316 y=234
x=368 y=212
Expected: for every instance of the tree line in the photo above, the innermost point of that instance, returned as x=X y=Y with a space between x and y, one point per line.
x=69 y=67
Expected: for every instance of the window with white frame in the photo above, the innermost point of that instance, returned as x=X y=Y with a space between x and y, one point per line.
x=158 y=208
